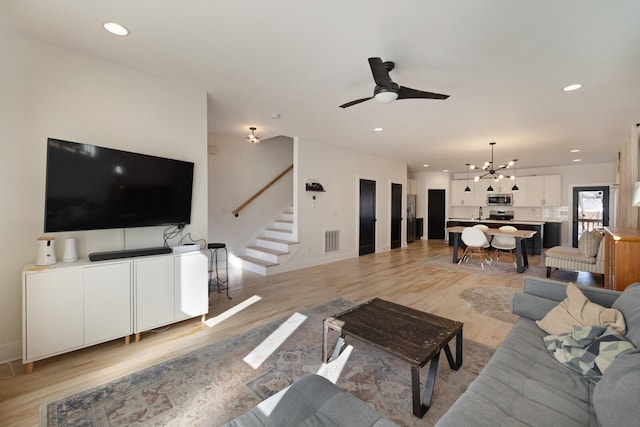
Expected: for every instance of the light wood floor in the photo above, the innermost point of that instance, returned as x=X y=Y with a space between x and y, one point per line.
x=393 y=275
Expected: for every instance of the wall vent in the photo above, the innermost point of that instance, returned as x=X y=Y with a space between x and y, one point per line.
x=331 y=241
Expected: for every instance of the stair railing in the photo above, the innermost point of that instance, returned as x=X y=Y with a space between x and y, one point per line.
x=236 y=211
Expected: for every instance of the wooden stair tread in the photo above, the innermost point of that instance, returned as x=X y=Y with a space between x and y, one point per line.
x=274 y=240
x=257 y=261
x=267 y=250
x=280 y=230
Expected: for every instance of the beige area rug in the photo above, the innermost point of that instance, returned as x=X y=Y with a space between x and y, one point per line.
x=213 y=385
x=503 y=268
x=492 y=301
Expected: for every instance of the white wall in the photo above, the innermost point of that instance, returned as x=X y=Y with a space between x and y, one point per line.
x=50 y=92
x=339 y=171
x=237 y=170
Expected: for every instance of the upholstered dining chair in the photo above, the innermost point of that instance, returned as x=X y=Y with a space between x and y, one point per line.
x=476 y=243
x=505 y=243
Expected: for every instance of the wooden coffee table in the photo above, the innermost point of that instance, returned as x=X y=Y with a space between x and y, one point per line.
x=412 y=335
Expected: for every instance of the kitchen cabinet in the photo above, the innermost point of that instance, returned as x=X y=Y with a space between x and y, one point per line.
x=541 y=190
x=476 y=197
x=551 y=234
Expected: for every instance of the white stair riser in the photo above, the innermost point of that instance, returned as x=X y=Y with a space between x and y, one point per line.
x=262 y=255
x=278 y=234
x=283 y=247
x=287 y=217
x=259 y=269
x=283 y=225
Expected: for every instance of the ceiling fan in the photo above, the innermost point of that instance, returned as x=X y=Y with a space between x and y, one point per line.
x=387 y=90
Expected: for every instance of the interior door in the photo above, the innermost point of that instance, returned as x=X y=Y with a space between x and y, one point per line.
x=396 y=215
x=590 y=210
x=435 y=214
x=367 y=244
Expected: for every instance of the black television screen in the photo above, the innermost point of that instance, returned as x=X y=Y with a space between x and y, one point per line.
x=90 y=187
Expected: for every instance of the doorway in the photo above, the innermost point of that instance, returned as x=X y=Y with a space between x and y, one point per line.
x=435 y=214
x=590 y=210
x=396 y=215
x=367 y=243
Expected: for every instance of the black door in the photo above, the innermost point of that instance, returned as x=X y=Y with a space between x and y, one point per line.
x=590 y=210
x=435 y=214
x=396 y=215
x=367 y=217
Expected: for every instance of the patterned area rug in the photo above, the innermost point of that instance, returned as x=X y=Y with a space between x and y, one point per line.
x=503 y=268
x=492 y=301
x=213 y=385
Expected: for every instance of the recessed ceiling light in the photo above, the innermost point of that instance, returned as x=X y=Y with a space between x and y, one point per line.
x=378 y=129
x=445 y=170
x=572 y=87
x=116 y=29
x=577 y=160
x=575 y=150
x=426 y=166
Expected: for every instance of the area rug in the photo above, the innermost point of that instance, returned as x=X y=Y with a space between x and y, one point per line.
x=213 y=385
x=503 y=268
x=492 y=301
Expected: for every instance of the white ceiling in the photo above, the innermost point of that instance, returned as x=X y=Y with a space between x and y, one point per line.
x=504 y=64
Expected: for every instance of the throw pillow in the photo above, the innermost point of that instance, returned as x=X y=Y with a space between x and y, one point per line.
x=576 y=309
x=616 y=396
x=589 y=242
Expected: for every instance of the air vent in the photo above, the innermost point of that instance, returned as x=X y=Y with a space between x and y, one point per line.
x=331 y=241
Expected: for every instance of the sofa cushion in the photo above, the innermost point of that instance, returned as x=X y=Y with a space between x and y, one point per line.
x=576 y=309
x=616 y=397
x=629 y=304
x=569 y=254
x=523 y=385
x=311 y=401
x=589 y=242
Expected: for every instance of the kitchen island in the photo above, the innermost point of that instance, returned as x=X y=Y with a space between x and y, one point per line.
x=534 y=244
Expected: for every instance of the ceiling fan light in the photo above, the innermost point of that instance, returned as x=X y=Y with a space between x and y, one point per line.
x=386 y=97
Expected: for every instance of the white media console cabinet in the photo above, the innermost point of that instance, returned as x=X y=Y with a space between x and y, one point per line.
x=68 y=306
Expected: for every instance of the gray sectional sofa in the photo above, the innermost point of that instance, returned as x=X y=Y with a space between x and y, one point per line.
x=524 y=385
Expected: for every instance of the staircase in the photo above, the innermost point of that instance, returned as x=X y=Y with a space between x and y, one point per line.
x=271 y=250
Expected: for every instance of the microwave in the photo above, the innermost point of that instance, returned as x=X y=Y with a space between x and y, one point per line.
x=499 y=200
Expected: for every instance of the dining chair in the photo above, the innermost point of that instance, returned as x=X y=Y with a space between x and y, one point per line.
x=502 y=243
x=476 y=243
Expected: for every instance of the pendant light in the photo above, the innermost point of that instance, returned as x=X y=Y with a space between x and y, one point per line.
x=252 y=138
x=467 y=189
x=515 y=169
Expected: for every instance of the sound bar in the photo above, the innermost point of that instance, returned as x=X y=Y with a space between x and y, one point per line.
x=129 y=253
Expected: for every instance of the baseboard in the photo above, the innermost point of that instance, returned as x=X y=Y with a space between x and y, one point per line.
x=10 y=352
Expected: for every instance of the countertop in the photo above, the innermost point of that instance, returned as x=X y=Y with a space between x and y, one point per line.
x=498 y=221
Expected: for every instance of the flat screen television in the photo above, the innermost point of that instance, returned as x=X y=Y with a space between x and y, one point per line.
x=91 y=188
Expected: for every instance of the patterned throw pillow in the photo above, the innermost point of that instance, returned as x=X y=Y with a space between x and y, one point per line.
x=589 y=243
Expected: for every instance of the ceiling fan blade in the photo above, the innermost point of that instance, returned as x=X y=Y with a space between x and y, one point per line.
x=380 y=72
x=357 y=101
x=406 y=92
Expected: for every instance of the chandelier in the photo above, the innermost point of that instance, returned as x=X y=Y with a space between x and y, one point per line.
x=492 y=171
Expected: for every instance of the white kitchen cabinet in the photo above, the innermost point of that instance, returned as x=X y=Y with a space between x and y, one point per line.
x=552 y=190
x=52 y=313
x=107 y=302
x=540 y=190
x=459 y=197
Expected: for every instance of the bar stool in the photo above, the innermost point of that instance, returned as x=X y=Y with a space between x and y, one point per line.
x=223 y=285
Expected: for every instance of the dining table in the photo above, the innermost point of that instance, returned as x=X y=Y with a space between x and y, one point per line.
x=522 y=260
